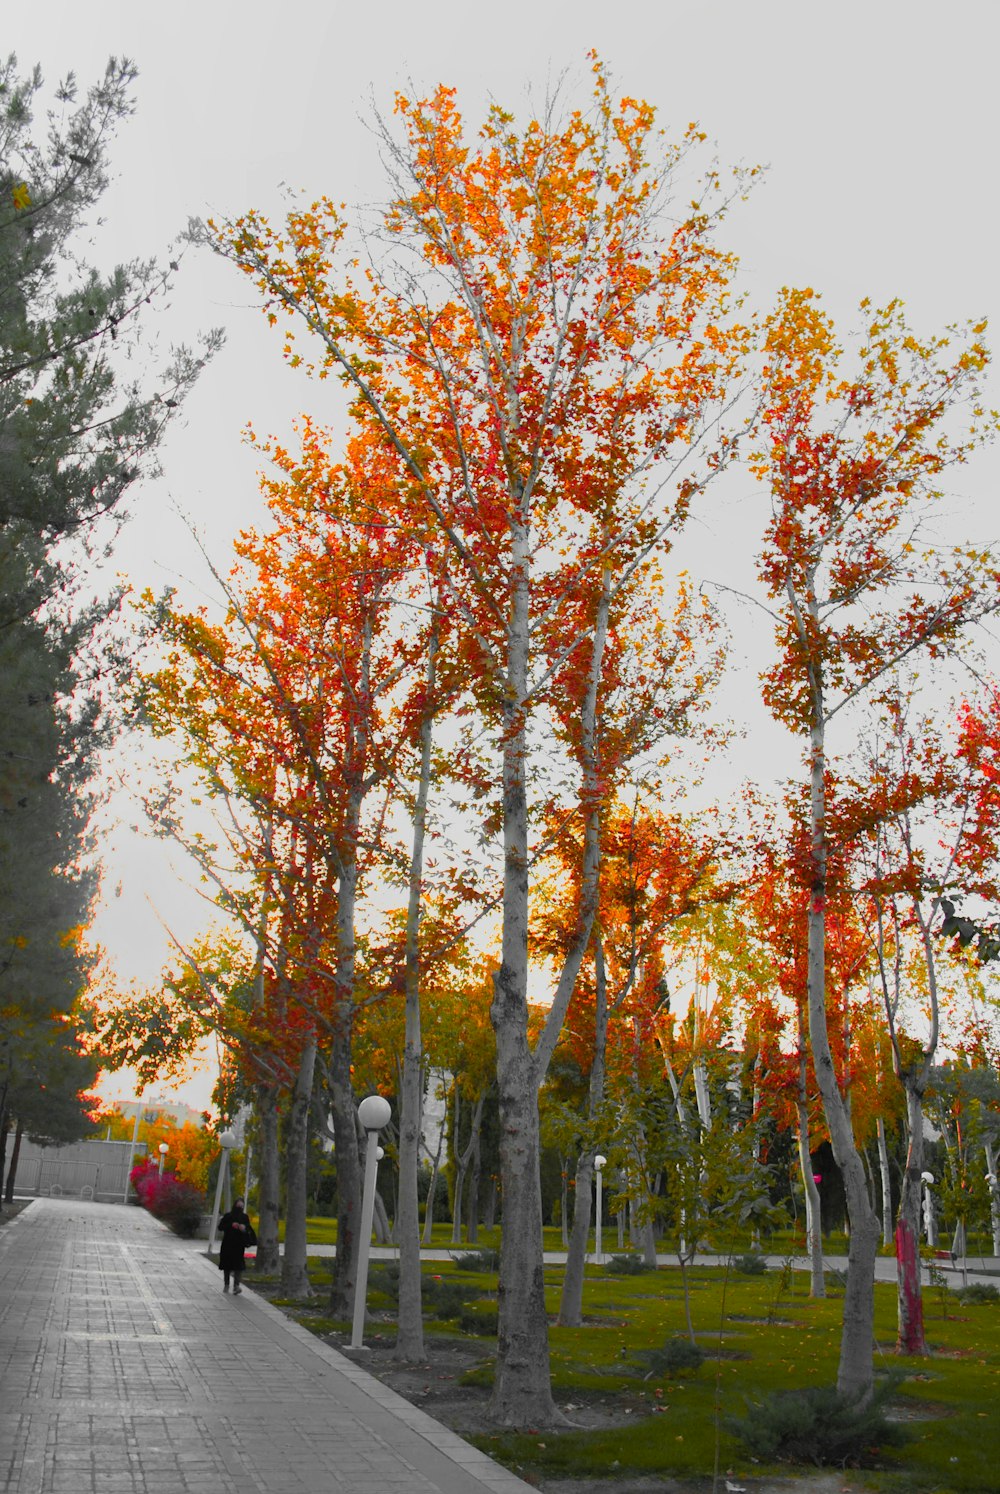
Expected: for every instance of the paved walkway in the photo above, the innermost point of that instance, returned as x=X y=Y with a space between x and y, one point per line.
x=125 y=1370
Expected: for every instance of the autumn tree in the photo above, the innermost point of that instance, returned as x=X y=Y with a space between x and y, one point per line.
x=853 y=464
x=303 y=709
x=542 y=335
x=927 y=811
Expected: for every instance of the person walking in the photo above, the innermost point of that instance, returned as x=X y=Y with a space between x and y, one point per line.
x=237 y=1233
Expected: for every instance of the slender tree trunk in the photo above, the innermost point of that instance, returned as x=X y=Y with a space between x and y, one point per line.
x=343 y=1110
x=885 y=1178
x=909 y=1300
x=463 y=1161
x=428 y=1234
x=814 y=1222
x=380 y=1220
x=571 y=1300
x=343 y=1113
x=475 y=1172
x=410 y=1329
x=15 y=1157
x=458 y=1191
x=4 y=1123
x=269 y=1181
x=522 y=1386
x=855 y=1375
x=814 y=1229
x=294 y=1277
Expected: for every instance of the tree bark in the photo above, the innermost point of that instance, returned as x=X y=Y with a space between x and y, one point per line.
x=814 y=1222
x=15 y=1156
x=410 y=1322
x=428 y=1234
x=294 y=1277
x=269 y=1181
x=343 y=1113
x=885 y=1178
x=856 y=1369
x=571 y=1300
x=909 y=1300
x=343 y=1110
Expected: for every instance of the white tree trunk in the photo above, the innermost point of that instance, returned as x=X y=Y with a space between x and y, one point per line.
x=885 y=1179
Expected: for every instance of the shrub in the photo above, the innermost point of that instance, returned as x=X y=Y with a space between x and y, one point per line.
x=484 y=1322
x=627 y=1265
x=177 y=1204
x=678 y=1356
x=478 y=1260
x=978 y=1293
x=446 y=1299
x=385 y=1279
x=750 y=1265
x=817 y=1425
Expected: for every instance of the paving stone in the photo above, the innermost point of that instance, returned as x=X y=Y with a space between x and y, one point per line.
x=125 y=1370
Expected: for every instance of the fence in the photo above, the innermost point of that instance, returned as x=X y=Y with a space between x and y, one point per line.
x=84 y=1169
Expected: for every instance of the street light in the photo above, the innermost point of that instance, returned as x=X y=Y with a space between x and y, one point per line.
x=599 y=1165
x=930 y=1223
x=373 y=1113
x=163 y=1150
x=227 y=1141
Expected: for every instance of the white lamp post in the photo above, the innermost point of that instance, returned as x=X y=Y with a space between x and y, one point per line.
x=930 y=1223
x=599 y=1164
x=227 y=1141
x=373 y=1113
x=163 y=1150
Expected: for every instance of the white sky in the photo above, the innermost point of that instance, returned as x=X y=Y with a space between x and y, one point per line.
x=878 y=122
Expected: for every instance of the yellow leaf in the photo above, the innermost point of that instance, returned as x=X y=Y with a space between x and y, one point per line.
x=21 y=196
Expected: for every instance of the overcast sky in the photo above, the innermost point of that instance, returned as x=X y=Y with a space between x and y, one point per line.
x=878 y=123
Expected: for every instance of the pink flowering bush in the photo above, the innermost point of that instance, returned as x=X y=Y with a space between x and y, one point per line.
x=178 y=1204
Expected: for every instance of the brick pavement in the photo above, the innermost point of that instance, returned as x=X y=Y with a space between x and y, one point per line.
x=125 y=1370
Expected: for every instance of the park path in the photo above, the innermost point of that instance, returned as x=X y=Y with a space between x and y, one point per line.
x=125 y=1370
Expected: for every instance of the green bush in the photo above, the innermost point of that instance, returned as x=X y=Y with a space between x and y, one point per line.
x=478 y=1260
x=385 y=1278
x=817 y=1425
x=446 y=1299
x=977 y=1293
x=678 y=1356
x=483 y=1322
x=627 y=1265
x=750 y=1265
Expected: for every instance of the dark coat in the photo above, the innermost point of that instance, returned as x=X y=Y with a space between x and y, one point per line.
x=235 y=1239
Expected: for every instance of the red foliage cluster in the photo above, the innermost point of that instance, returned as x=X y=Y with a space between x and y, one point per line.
x=177 y=1204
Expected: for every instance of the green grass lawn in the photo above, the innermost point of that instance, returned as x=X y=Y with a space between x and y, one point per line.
x=323 y=1231
x=768 y=1336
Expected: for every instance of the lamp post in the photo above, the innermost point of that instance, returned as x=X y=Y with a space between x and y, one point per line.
x=227 y=1141
x=163 y=1150
x=373 y=1113
x=599 y=1164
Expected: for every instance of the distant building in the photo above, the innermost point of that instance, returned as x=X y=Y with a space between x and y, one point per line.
x=155 y=1105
